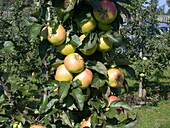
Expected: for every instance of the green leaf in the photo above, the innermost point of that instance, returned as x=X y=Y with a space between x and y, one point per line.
x=69 y=101
x=89 y=42
x=43 y=47
x=96 y=103
x=75 y=41
x=3 y=119
x=34 y=31
x=121 y=104
x=129 y=70
x=122 y=61
x=63 y=90
x=25 y=22
x=8 y=46
x=50 y=104
x=116 y=38
x=111 y=113
x=79 y=97
x=129 y=123
x=97 y=66
x=83 y=16
x=44 y=101
x=66 y=119
x=98 y=81
x=124 y=10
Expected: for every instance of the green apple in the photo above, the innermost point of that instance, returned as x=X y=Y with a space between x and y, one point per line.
x=66 y=49
x=87 y=25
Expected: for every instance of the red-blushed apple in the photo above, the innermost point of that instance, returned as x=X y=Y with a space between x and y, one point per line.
x=85 y=77
x=87 y=26
x=86 y=123
x=66 y=49
x=107 y=13
x=74 y=63
x=89 y=51
x=44 y=33
x=104 y=44
x=37 y=126
x=112 y=98
x=115 y=77
x=62 y=74
x=58 y=37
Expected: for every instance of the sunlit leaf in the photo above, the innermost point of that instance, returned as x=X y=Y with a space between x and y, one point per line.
x=98 y=66
x=44 y=102
x=120 y=104
x=34 y=31
x=79 y=97
x=89 y=42
x=63 y=90
x=98 y=81
x=3 y=119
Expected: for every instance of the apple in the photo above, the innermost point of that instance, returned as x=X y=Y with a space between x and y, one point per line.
x=87 y=26
x=108 y=12
x=62 y=74
x=66 y=49
x=104 y=44
x=44 y=33
x=59 y=35
x=112 y=98
x=74 y=63
x=115 y=77
x=104 y=27
x=87 y=51
x=86 y=123
x=85 y=77
x=37 y=126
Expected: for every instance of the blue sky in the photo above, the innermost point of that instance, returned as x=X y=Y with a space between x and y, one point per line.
x=163 y=2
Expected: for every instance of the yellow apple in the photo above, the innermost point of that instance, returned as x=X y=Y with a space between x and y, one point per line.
x=66 y=49
x=104 y=44
x=87 y=26
x=62 y=74
x=58 y=37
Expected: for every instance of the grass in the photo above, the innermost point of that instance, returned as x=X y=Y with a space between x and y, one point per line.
x=154 y=117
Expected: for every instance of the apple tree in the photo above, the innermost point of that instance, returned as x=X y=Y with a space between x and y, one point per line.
x=61 y=65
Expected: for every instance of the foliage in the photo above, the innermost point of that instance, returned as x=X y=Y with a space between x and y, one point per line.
x=30 y=95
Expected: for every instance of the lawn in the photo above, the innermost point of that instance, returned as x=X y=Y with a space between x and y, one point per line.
x=155 y=117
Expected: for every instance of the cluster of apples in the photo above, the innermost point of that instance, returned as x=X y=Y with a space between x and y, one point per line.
x=101 y=18
x=74 y=64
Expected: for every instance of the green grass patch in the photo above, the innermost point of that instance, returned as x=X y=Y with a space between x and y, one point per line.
x=154 y=117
